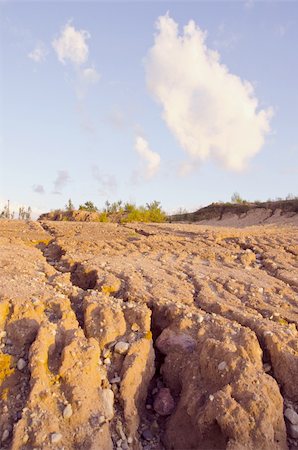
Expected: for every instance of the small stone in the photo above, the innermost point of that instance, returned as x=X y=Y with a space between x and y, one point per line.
x=5 y=435
x=200 y=319
x=56 y=437
x=293 y=430
x=147 y=435
x=291 y=415
x=67 y=412
x=129 y=440
x=25 y=438
x=267 y=367
x=107 y=361
x=135 y=327
x=101 y=420
x=164 y=402
x=222 y=365
x=148 y=406
x=21 y=364
x=261 y=290
x=119 y=443
x=211 y=398
x=121 y=347
x=107 y=400
x=268 y=333
x=115 y=380
x=106 y=353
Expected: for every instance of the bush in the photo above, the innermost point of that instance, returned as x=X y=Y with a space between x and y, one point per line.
x=88 y=206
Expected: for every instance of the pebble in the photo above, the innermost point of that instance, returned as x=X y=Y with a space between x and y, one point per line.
x=200 y=319
x=293 y=430
x=101 y=420
x=107 y=361
x=56 y=437
x=67 y=412
x=222 y=365
x=115 y=380
x=129 y=440
x=261 y=290
x=106 y=353
x=107 y=399
x=21 y=364
x=164 y=402
x=121 y=347
x=5 y=435
x=119 y=443
x=267 y=367
x=211 y=398
x=291 y=415
x=147 y=435
x=135 y=327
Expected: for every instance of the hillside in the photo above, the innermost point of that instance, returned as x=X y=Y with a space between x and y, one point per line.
x=244 y=214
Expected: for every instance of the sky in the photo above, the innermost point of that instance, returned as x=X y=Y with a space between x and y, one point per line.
x=180 y=102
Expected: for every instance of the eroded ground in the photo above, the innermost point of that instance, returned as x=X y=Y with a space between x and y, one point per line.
x=148 y=336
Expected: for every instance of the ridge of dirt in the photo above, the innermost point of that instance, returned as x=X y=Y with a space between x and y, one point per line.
x=149 y=337
x=283 y=212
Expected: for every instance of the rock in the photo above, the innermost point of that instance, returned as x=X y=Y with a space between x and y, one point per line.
x=107 y=399
x=67 y=412
x=164 y=403
x=222 y=366
x=121 y=347
x=147 y=435
x=115 y=380
x=169 y=341
x=5 y=435
x=129 y=440
x=293 y=431
x=135 y=327
x=21 y=364
x=291 y=415
x=55 y=438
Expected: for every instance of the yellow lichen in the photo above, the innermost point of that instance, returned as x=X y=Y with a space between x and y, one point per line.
x=148 y=335
x=106 y=289
x=5 y=367
x=4 y=395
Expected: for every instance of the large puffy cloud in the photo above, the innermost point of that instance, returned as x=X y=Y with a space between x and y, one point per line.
x=211 y=112
x=150 y=159
x=71 y=45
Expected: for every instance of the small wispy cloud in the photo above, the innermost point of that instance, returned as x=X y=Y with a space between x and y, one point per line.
x=39 y=53
x=61 y=181
x=72 y=45
x=38 y=188
x=107 y=183
x=225 y=39
x=150 y=160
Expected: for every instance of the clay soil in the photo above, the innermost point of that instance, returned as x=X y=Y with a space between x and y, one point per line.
x=166 y=336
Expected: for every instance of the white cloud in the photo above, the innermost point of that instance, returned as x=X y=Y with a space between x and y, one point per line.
x=39 y=53
x=71 y=45
x=85 y=78
x=210 y=111
x=90 y=75
x=150 y=159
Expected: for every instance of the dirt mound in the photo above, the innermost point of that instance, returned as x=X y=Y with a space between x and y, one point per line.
x=149 y=337
x=243 y=215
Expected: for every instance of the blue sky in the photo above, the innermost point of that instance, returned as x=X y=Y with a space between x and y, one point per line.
x=98 y=103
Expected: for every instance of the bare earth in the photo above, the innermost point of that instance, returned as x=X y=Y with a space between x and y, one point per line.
x=152 y=337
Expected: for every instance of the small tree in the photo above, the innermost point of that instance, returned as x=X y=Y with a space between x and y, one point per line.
x=69 y=206
x=236 y=198
x=88 y=206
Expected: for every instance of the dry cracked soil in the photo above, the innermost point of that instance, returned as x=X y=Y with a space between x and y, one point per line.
x=164 y=336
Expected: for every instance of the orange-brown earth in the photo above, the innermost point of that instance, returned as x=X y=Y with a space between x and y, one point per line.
x=165 y=336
